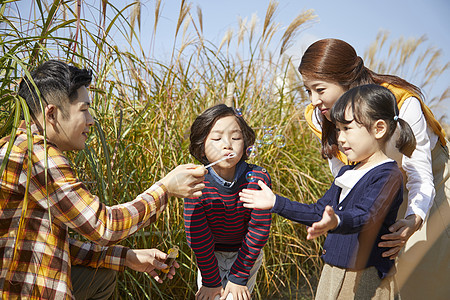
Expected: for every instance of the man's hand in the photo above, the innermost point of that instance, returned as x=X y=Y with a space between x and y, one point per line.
x=208 y=293
x=185 y=181
x=329 y=222
x=147 y=260
x=401 y=232
x=239 y=292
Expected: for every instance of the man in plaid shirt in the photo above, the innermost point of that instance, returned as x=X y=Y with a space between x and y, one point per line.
x=39 y=260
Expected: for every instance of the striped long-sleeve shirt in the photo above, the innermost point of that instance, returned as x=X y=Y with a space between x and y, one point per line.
x=44 y=252
x=217 y=221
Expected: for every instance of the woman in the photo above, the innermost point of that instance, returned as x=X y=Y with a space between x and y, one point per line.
x=329 y=67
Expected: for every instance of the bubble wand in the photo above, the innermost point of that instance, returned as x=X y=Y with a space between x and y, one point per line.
x=231 y=155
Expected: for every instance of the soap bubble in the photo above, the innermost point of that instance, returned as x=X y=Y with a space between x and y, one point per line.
x=250 y=176
x=267 y=138
x=258 y=143
x=252 y=151
x=239 y=112
x=268 y=129
x=280 y=141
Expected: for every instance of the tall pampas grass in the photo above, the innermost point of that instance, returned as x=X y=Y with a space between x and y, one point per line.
x=144 y=107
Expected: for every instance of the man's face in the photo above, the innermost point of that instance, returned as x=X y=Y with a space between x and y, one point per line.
x=72 y=127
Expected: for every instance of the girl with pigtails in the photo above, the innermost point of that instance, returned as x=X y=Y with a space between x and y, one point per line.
x=363 y=201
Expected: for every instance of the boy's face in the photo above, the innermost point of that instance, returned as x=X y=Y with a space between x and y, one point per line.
x=224 y=138
x=71 y=129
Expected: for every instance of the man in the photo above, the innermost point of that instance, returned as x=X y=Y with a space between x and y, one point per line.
x=39 y=260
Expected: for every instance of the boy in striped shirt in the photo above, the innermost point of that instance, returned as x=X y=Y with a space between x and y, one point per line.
x=226 y=237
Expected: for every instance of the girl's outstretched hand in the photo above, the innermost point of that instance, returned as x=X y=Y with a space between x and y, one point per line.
x=329 y=222
x=261 y=199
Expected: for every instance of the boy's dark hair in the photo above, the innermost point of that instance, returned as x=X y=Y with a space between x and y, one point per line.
x=369 y=103
x=57 y=83
x=203 y=125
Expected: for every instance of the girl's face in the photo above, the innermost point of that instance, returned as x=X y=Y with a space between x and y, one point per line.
x=323 y=94
x=224 y=138
x=357 y=142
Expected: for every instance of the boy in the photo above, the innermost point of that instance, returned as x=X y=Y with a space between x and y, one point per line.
x=37 y=260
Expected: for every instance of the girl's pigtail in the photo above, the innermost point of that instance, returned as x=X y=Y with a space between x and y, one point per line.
x=406 y=143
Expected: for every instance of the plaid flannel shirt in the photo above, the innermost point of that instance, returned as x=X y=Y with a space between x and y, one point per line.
x=41 y=267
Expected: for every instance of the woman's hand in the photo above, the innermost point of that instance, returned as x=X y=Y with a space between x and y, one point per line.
x=401 y=232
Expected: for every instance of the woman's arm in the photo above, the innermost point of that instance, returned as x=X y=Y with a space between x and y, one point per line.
x=418 y=167
x=419 y=182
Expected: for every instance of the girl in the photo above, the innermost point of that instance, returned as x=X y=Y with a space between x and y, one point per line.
x=226 y=237
x=362 y=202
x=330 y=67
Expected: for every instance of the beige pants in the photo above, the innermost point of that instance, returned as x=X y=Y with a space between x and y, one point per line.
x=339 y=283
x=226 y=261
x=424 y=267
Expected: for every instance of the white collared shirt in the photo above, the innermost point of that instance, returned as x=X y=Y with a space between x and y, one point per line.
x=351 y=177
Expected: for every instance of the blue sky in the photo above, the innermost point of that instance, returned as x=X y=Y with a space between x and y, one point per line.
x=355 y=21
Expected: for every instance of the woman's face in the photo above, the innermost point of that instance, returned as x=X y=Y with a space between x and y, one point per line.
x=323 y=94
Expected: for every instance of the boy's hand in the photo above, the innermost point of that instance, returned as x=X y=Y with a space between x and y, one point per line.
x=240 y=292
x=262 y=199
x=401 y=232
x=208 y=293
x=329 y=222
x=149 y=260
x=185 y=181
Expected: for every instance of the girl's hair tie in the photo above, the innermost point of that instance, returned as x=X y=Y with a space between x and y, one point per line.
x=395 y=118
